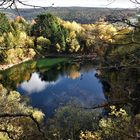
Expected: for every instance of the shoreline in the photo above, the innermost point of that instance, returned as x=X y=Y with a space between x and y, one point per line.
x=76 y=56
x=7 y=66
x=91 y=57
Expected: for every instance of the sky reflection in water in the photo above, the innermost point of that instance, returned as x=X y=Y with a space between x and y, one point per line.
x=78 y=88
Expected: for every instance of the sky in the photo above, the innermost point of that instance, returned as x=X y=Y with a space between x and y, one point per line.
x=81 y=3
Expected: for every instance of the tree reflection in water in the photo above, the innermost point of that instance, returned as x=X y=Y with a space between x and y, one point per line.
x=61 y=90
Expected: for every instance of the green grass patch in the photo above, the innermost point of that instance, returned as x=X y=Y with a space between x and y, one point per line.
x=48 y=62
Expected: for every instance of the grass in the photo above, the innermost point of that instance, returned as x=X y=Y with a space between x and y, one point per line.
x=48 y=62
x=40 y=63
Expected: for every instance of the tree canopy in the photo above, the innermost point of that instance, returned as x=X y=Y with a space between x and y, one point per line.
x=4 y=24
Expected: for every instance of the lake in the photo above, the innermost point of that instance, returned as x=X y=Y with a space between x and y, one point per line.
x=76 y=85
x=65 y=90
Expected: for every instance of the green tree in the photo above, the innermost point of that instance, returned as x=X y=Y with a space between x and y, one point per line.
x=48 y=26
x=4 y=24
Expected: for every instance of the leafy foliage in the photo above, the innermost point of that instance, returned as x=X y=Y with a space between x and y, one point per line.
x=50 y=34
x=69 y=121
x=118 y=125
x=16 y=45
x=16 y=122
x=4 y=24
x=47 y=25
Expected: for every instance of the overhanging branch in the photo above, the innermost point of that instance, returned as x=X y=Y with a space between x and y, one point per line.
x=10 y=3
x=7 y=132
x=7 y=115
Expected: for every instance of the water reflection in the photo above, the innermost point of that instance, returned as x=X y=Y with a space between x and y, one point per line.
x=59 y=90
x=122 y=85
x=35 y=85
x=66 y=86
x=77 y=83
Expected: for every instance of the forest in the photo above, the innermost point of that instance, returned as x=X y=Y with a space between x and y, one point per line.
x=48 y=34
x=56 y=46
x=84 y=15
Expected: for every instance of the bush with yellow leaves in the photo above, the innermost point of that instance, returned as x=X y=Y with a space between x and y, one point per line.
x=17 y=120
x=73 y=26
x=87 y=135
x=118 y=125
x=72 y=42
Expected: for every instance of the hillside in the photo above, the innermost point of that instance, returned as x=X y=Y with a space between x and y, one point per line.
x=78 y=14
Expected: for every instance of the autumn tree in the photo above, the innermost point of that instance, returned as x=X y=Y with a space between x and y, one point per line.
x=17 y=120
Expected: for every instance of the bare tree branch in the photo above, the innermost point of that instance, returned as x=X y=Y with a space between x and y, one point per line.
x=107 y=104
x=10 y=3
x=135 y=1
x=110 y=2
x=7 y=132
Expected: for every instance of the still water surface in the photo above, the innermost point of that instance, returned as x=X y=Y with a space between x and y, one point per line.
x=73 y=84
x=62 y=89
x=50 y=84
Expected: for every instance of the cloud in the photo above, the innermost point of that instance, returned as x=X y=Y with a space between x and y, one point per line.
x=35 y=85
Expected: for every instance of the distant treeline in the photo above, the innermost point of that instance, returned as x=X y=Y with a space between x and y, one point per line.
x=79 y=14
